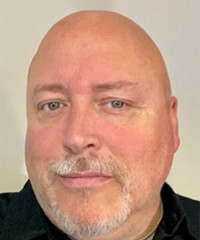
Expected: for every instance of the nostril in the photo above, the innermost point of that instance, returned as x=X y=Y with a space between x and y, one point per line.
x=90 y=145
x=68 y=149
x=74 y=148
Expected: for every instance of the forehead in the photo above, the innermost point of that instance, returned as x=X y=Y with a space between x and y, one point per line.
x=87 y=75
x=93 y=59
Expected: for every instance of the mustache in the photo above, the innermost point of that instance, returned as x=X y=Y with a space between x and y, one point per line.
x=91 y=163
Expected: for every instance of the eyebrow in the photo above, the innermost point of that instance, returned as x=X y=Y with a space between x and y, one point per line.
x=49 y=88
x=115 y=85
x=98 y=88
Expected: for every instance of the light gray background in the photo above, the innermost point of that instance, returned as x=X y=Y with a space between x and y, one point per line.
x=173 y=24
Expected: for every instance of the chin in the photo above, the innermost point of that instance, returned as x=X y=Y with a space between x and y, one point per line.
x=88 y=216
x=89 y=223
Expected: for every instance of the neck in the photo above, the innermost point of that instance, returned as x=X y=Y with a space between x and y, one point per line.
x=138 y=226
x=151 y=234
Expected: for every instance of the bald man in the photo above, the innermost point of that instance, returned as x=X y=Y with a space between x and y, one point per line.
x=102 y=132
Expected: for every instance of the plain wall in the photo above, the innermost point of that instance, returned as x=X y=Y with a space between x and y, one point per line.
x=173 y=24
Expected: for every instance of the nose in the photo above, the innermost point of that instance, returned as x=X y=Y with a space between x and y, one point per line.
x=80 y=134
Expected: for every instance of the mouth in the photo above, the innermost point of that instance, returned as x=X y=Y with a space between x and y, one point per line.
x=85 y=180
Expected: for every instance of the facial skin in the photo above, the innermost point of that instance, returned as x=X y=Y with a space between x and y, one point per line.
x=102 y=127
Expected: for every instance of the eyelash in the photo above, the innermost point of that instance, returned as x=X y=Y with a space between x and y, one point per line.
x=117 y=104
x=53 y=106
x=109 y=107
x=46 y=106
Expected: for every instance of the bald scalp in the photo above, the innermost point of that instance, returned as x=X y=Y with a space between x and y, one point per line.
x=105 y=26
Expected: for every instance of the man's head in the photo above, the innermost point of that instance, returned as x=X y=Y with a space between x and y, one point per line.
x=102 y=126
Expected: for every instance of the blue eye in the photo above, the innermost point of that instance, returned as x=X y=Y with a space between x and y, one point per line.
x=52 y=106
x=117 y=104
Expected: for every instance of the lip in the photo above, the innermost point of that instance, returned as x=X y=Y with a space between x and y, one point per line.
x=84 y=180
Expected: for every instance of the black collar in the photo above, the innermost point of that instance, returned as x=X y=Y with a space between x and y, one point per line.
x=176 y=220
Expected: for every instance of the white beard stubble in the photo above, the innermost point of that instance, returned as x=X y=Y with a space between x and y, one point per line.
x=92 y=163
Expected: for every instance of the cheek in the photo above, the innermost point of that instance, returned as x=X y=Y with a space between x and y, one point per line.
x=42 y=147
x=143 y=147
x=127 y=141
x=42 y=141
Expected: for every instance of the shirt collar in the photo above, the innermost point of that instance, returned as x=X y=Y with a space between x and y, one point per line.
x=174 y=218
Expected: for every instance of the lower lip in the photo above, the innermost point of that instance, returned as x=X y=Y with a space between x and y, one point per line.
x=85 y=181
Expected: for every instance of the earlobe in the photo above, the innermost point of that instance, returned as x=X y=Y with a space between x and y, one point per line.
x=174 y=121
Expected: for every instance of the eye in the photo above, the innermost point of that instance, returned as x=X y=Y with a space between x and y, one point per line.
x=117 y=104
x=52 y=106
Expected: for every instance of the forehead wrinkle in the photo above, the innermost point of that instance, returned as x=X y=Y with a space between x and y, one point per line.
x=114 y=85
x=49 y=88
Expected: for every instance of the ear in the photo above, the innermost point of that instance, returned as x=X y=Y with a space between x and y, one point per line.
x=174 y=121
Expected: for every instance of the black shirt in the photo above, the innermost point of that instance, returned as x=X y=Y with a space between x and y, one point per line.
x=21 y=218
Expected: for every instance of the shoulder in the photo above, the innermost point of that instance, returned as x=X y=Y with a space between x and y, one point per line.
x=6 y=200
x=19 y=213
x=192 y=212
x=190 y=205
x=10 y=201
x=183 y=207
